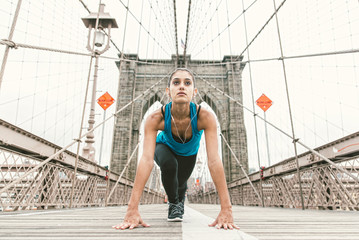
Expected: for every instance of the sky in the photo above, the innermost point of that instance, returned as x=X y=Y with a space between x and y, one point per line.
x=43 y=92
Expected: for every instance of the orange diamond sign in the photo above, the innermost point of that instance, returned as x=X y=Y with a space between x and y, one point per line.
x=105 y=101
x=264 y=102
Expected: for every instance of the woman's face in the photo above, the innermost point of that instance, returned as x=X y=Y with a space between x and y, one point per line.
x=181 y=87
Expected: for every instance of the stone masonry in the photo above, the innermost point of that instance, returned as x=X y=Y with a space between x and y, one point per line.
x=136 y=77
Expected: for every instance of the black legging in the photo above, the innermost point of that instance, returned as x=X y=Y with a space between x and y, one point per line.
x=175 y=171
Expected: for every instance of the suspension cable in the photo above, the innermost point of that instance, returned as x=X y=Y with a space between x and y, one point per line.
x=234 y=83
x=148 y=32
x=241 y=166
x=12 y=44
x=259 y=32
x=280 y=130
x=6 y=53
x=128 y=161
x=85 y=6
x=16 y=45
x=289 y=108
x=79 y=139
x=139 y=32
x=159 y=23
x=185 y=44
x=251 y=84
x=197 y=30
x=307 y=55
x=176 y=36
x=252 y=95
x=356 y=50
x=223 y=30
x=123 y=171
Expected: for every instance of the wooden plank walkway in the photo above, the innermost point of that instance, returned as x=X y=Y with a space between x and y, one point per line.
x=291 y=224
x=255 y=223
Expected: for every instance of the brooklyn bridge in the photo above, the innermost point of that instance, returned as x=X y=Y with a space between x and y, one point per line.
x=78 y=79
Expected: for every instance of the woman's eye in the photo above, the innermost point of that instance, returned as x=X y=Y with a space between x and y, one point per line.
x=188 y=83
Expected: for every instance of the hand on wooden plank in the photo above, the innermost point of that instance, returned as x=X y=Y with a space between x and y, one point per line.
x=132 y=220
x=224 y=220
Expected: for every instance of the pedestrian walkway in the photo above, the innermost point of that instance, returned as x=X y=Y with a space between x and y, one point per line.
x=255 y=223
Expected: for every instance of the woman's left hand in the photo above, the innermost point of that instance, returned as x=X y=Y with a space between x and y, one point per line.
x=224 y=220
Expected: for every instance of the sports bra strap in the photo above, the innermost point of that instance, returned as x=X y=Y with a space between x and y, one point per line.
x=163 y=113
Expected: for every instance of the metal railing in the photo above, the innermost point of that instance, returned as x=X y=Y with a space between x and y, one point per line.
x=50 y=186
x=324 y=185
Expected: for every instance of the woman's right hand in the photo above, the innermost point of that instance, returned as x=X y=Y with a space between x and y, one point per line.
x=132 y=220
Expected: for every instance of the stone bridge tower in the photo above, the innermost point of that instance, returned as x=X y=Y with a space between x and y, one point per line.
x=136 y=77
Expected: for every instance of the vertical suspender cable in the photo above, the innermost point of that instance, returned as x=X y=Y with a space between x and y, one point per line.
x=139 y=32
x=119 y=75
x=102 y=136
x=134 y=88
x=11 y=34
x=187 y=28
x=133 y=94
x=176 y=36
x=263 y=27
x=121 y=64
x=131 y=117
x=233 y=78
x=289 y=107
x=252 y=94
x=219 y=36
x=222 y=78
x=125 y=28
x=229 y=88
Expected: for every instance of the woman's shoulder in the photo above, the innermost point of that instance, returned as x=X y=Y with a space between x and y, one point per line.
x=156 y=120
x=203 y=113
x=205 y=119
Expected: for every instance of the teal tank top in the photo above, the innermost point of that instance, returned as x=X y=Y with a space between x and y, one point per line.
x=184 y=149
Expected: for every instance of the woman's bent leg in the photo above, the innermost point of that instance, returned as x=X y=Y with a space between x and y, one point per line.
x=185 y=168
x=167 y=162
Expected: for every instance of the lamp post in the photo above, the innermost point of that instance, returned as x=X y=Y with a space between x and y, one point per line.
x=99 y=22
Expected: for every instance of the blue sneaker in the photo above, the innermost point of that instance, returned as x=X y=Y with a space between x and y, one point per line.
x=174 y=213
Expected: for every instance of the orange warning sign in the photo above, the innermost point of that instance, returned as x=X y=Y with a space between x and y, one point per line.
x=105 y=101
x=264 y=102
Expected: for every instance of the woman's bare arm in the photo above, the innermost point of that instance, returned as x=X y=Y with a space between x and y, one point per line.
x=133 y=218
x=208 y=123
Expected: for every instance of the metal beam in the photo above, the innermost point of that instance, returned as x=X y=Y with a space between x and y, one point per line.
x=23 y=142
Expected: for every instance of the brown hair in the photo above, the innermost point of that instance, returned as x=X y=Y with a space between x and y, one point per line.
x=181 y=69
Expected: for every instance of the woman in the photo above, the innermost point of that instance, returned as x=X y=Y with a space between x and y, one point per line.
x=175 y=149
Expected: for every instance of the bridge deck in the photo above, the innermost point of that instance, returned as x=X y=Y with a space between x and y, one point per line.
x=255 y=223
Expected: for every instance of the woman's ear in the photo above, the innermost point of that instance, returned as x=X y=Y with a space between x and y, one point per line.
x=168 y=92
x=195 y=91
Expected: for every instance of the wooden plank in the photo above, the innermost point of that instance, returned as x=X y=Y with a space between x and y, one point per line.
x=279 y=223
x=262 y=223
x=86 y=223
x=195 y=226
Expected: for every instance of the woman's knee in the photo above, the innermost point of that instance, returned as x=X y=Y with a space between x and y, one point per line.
x=165 y=159
x=169 y=165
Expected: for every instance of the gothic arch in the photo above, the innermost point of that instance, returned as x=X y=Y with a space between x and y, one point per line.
x=139 y=77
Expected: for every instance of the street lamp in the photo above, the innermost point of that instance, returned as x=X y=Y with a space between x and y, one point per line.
x=105 y=21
